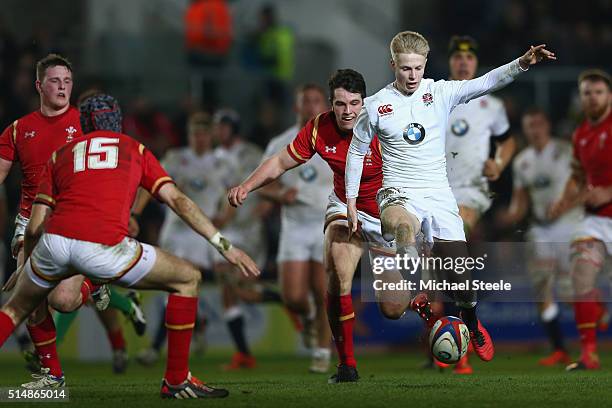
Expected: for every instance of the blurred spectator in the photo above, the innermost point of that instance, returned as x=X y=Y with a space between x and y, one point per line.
x=208 y=38
x=149 y=126
x=276 y=54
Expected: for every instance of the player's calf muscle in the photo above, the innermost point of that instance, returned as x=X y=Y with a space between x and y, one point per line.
x=171 y=274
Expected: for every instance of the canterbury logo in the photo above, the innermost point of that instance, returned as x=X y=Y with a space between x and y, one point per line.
x=385 y=109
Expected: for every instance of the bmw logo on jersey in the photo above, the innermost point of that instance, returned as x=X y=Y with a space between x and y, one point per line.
x=308 y=173
x=414 y=133
x=460 y=127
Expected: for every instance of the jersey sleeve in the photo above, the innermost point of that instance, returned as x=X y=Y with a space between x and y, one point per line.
x=363 y=133
x=153 y=174
x=7 y=142
x=46 y=189
x=302 y=148
x=500 y=124
x=458 y=92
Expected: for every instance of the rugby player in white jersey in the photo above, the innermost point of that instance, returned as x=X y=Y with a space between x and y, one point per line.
x=410 y=116
x=243 y=225
x=470 y=127
x=468 y=133
x=202 y=177
x=302 y=193
x=540 y=173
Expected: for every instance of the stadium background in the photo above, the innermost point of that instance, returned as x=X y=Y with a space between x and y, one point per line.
x=136 y=50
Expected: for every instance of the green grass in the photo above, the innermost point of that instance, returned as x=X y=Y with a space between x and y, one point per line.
x=511 y=380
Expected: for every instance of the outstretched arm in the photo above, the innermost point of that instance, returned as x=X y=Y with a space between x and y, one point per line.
x=363 y=133
x=189 y=212
x=464 y=91
x=268 y=171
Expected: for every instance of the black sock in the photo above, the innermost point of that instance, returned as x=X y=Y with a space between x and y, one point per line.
x=24 y=342
x=555 y=335
x=271 y=296
x=236 y=328
x=468 y=315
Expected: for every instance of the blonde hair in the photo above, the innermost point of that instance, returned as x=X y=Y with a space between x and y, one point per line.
x=407 y=42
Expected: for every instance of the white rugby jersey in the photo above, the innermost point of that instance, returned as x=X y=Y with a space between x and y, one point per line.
x=468 y=132
x=243 y=157
x=412 y=129
x=204 y=179
x=313 y=180
x=544 y=174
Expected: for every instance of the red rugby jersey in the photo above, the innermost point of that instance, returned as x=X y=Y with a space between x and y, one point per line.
x=593 y=149
x=321 y=135
x=31 y=140
x=91 y=184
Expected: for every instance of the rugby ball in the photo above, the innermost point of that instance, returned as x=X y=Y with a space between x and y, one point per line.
x=449 y=339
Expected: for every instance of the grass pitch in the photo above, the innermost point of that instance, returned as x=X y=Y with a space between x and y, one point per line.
x=389 y=380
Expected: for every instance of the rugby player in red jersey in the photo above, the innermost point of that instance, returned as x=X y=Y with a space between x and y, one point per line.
x=590 y=184
x=83 y=204
x=329 y=135
x=30 y=141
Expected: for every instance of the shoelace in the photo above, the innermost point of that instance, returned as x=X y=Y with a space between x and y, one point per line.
x=480 y=340
x=44 y=372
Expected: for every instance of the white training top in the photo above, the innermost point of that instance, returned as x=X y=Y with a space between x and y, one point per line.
x=412 y=129
x=203 y=178
x=544 y=174
x=468 y=132
x=313 y=181
x=243 y=157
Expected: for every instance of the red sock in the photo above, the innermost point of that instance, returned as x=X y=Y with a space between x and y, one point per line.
x=43 y=337
x=87 y=288
x=587 y=310
x=6 y=327
x=341 y=320
x=116 y=339
x=180 y=320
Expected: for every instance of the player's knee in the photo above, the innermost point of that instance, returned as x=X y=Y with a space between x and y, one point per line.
x=65 y=301
x=404 y=232
x=193 y=278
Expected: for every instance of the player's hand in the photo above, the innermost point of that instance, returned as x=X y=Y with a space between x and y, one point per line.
x=242 y=261
x=351 y=216
x=133 y=227
x=535 y=55
x=598 y=196
x=237 y=195
x=491 y=170
x=289 y=196
x=10 y=283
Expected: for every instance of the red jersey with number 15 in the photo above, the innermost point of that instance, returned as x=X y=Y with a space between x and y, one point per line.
x=31 y=140
x=593 y=150
x=321 y=135
x=91 y=184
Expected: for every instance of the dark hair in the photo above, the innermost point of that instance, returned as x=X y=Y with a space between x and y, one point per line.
x=536 y=110
x=229 y=117
x=100 y=112
x=51 y=60
x=310 y=86
x=462 y=43
x=348 y=79
x=595 y=75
